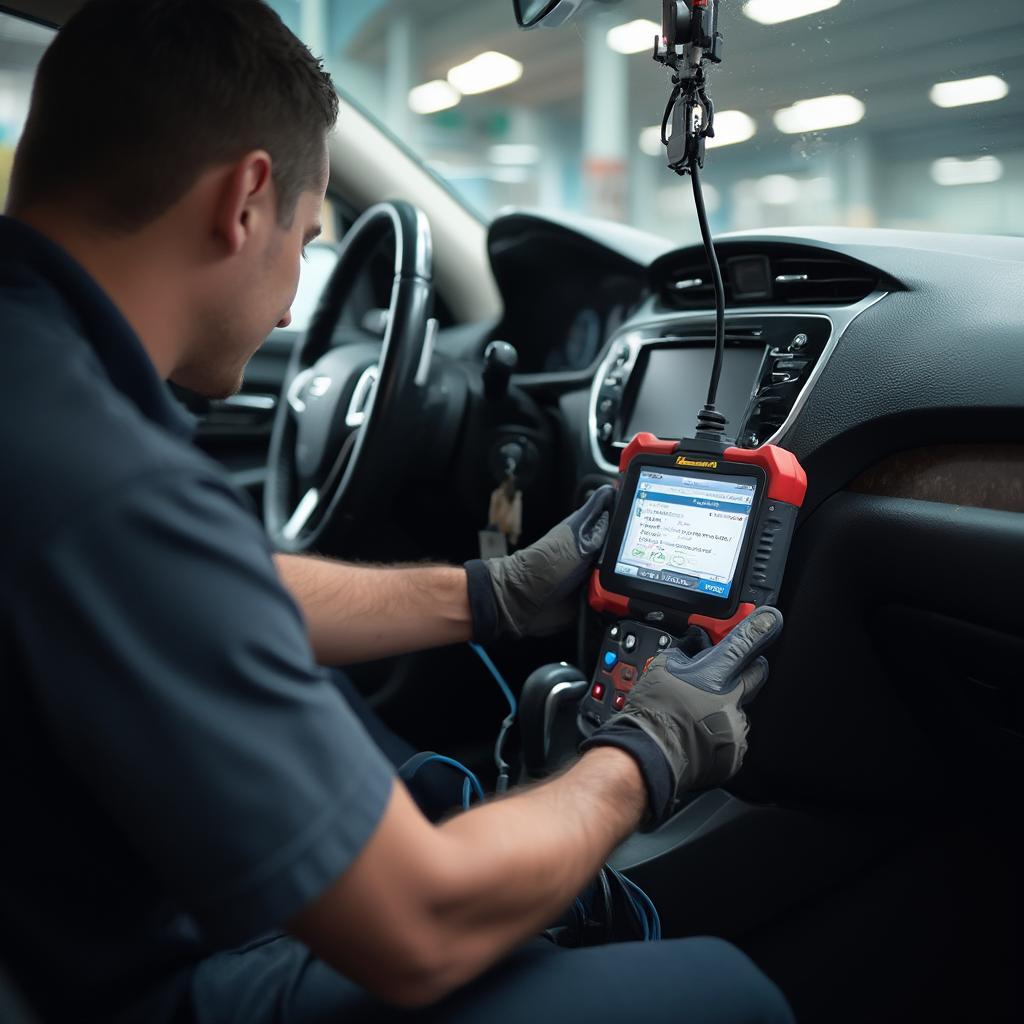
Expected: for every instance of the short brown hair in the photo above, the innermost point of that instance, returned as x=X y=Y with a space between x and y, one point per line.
x=134 y=99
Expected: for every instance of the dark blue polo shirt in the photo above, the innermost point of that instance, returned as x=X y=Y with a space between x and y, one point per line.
x=176 y=774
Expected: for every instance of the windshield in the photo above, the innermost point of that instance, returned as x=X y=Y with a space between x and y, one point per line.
x=868 y=113
x=925 y=99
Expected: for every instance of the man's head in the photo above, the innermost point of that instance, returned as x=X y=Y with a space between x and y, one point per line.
x=202 y=123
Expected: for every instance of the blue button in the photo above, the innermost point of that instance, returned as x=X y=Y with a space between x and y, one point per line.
x=610 y=658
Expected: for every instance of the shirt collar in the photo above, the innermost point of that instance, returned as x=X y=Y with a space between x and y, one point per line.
x=100 y=323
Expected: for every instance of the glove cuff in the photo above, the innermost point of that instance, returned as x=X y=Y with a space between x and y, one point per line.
x=483 y=607
x=653 y=764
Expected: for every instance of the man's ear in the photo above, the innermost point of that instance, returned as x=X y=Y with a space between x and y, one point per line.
x=246 y=196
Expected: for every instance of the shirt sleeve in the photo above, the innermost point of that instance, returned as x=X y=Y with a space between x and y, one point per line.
x=175 y=675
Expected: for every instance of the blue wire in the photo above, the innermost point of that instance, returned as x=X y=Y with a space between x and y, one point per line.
x=643 y=905
x=471 y=783
x=498 y=677
x=647 y=912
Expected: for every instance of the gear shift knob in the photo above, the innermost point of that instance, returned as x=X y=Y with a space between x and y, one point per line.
x=549 y=738
x=500 y=361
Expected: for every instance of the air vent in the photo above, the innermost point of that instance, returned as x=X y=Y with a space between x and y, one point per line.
x=825 y=280
x=706 y=332
x=770 y=274
x=691 y=288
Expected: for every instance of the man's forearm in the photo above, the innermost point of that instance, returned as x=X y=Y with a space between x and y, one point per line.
x=424 y=909
x=359 y=612
x=523 y=859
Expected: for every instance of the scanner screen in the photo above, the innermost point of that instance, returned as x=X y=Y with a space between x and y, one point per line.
x=686 y=531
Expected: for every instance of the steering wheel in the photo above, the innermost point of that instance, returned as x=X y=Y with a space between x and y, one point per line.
x=350 y=401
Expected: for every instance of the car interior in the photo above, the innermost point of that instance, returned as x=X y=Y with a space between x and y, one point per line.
x=868 y=855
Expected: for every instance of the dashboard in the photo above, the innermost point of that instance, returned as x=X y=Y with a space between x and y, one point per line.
x=844 y=345
x=564 y=294
x=891 y=364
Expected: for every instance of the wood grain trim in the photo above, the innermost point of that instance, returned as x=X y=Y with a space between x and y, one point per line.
x=976 y=475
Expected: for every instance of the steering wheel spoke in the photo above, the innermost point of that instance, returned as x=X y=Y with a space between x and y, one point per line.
x=305 y=508
x=294 y=391
x=346 y=408
x=362 y=397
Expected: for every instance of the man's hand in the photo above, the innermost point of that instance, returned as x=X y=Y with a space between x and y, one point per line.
x=684 y=721
x=531 y=592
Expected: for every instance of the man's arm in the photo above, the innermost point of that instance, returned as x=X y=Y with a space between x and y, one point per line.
x=424 y=909
x=421 y=910
x=360 y=612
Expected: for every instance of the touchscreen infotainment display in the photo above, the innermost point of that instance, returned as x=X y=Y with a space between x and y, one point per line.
x=686 y=531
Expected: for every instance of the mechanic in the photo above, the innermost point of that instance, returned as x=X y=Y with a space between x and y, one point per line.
x=197 y=826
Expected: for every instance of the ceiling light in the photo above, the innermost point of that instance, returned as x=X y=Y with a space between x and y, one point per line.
x=430 y=97
x=633 y=36
x=951 y=170
x=650 y=141
x=731 y=126
x=968 y=90
x=486 y=71
x=817 y=114
x=771 y=12
x=777 y=190
x=514 y=153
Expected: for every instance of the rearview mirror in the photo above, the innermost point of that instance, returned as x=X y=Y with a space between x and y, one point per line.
x=549 y=13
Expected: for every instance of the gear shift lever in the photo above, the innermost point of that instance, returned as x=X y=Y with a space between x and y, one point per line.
x=547 y=717
x=500 y=360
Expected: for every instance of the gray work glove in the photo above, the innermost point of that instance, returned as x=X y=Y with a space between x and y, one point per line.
x=532 y=592
x=684 y=722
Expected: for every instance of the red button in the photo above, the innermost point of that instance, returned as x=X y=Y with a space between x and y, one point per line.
x=619 y=701
x=597 y=691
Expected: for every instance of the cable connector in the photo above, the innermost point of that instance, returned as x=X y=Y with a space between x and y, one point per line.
x=711 y=424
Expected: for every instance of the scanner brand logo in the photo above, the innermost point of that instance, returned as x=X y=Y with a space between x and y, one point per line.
x=696 y=463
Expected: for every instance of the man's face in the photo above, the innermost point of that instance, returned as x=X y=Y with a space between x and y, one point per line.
x=253 y=296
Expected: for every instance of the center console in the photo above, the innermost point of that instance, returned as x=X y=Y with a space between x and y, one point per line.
x=655 y=376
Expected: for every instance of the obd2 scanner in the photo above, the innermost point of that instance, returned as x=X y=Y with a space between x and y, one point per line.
x=699 y=536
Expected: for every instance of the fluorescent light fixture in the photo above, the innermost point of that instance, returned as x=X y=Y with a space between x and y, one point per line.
x=731 y=126
x=430 y=97
x=649 y=141
x=951 y=170
x=772 y=12
x=486 y=71
x=777 y=190
x=634 y=36
x=514 y=153
x=818 y=114
x=984 y=89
